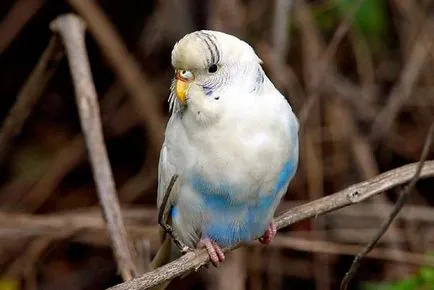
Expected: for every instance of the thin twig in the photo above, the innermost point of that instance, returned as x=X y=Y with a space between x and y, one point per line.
x=72 y=30
x=320 y=64
x=364 y=157
x=127 y=70
x=350 y=93
x=351 y=195
x=413 y=213
x=64 y=161
x=18 y=16
x=404 y=87
x=162 y=219
x=280 y=35
x=25 y=262
x=399 y=204
x=12 y=225
x=362 y=235
x=318 y=246
x=30 y=94
x=74 y=153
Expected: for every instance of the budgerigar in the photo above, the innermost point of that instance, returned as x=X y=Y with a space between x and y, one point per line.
x=232 y=139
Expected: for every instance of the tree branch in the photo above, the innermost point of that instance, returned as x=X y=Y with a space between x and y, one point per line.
x=18 y=16
x=125 y=67
x=351 y=195
x=331 y=248
x=141 y=223
x=399 y=204
x=403 y=89
x=29 y=94
x=71 y=28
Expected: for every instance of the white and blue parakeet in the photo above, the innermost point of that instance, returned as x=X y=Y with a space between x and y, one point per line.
x=232 y=139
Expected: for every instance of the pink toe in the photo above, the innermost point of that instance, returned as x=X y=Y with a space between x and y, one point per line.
x=215 y=253
x=269 y=234
x=219 y=252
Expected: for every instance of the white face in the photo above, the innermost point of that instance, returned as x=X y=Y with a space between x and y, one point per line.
x=211 y=67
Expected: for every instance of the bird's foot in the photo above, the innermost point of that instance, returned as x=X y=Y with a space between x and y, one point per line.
x=215 y=253
x=269 y=234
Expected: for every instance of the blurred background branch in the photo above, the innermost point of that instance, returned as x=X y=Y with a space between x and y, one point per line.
x=359 y=75
x=71 y=30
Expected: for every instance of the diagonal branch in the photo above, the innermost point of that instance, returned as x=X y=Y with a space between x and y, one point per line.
x=126 y=69
x=351 y=195
x=72 y=31
x=18 y=16
x=403 y=89
x=29 y=95
x=398 y=206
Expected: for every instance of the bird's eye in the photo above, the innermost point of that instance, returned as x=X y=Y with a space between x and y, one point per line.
x=212 y=68
x=186 y=74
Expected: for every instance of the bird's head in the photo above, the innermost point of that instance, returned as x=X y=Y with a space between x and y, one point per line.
x=212 y=69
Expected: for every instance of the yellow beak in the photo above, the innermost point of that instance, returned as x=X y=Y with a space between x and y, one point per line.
x=181 y=89
x=183 y=80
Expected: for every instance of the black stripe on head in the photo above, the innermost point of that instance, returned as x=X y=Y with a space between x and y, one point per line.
x=210 y=42
x=213 y=39
x=208 y=45
x=259 y=81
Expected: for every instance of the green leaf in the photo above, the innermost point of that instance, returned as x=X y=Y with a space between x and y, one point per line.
x=371 y=15
x=371 y=19
x=424 y=279
x=408 y=284
x=427 y=275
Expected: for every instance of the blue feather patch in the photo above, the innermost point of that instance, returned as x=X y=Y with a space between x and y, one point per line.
x=173 y=212
x=222 y=212
x=215 y=195
x=284 y=175
x=229 y=222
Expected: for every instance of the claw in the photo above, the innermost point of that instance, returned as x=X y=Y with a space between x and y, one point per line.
x=269 y=234
x=215 y=253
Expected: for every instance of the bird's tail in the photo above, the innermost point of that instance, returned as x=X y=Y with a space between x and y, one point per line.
x=163 y=256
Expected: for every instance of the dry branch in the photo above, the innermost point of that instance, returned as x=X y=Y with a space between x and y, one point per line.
x=351 y=195
x=398 y=206
x=25 y=262
x=125 y=67
x=73 y=153
x=362 y=235
x=319 y=65
x=72 y=31
x=402 y=90
x=12 y=225
x=364 y=158
x=20 y=13
x=64 y=161
x=30 y=94
x=318 y=246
